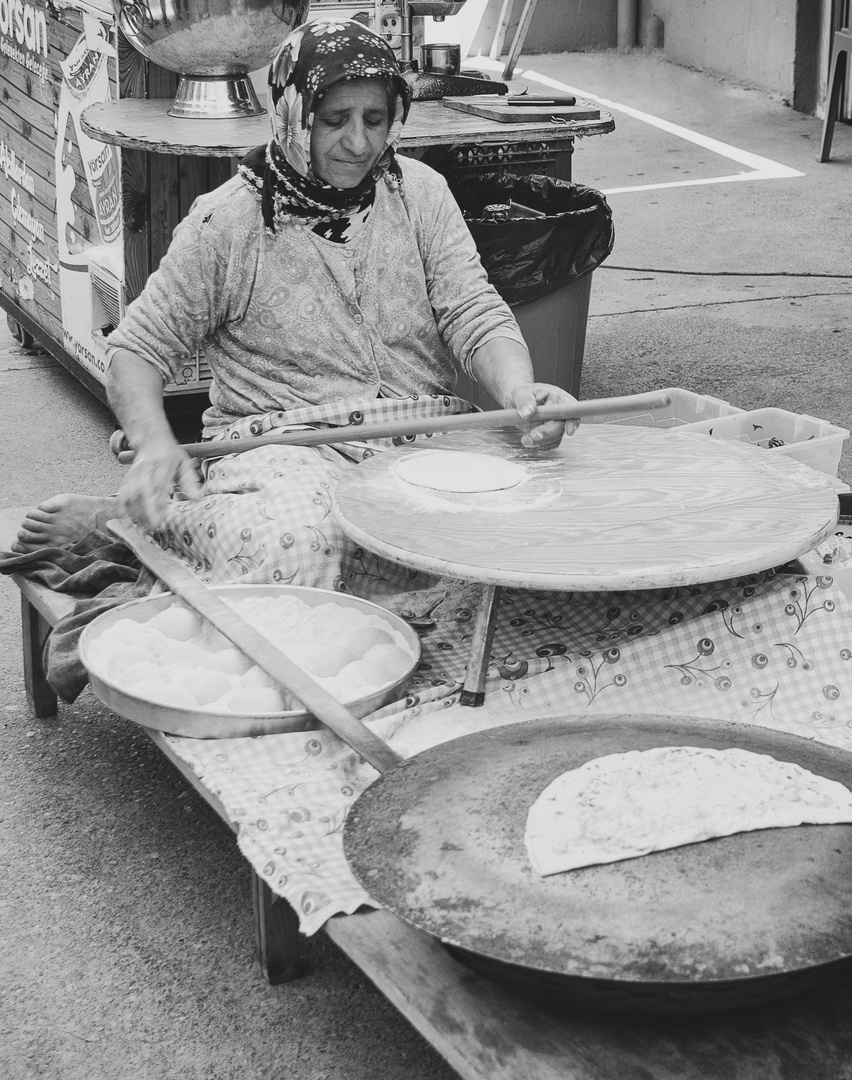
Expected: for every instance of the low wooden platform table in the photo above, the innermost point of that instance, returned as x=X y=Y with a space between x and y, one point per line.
x=484 y=1030
x=430 y=132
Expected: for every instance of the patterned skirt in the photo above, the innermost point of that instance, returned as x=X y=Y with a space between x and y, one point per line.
x=265 y=516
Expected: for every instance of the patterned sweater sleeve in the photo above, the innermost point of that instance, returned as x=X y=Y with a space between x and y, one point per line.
x=199 y=285
x=468 y=309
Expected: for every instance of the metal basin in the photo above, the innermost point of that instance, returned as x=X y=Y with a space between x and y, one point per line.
x=212 y=45
x=203 y=724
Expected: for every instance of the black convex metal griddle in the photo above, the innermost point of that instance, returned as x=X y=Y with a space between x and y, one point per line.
x=711 y=925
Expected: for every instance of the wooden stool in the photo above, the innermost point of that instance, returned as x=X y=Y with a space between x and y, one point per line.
x=503 y=21
x=841 y=47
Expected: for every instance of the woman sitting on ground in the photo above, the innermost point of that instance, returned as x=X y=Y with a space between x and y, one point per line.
x=329 y=283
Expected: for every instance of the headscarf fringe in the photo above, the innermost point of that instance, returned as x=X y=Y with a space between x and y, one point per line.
x=283 y=213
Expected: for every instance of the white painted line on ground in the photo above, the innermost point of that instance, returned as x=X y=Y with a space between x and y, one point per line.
x=761 y=168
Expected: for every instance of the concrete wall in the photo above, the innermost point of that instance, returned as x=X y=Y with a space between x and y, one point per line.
x=750 y=41
x=558 y=26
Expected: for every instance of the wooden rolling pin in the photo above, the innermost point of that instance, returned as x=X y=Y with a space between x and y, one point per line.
x=392 y=429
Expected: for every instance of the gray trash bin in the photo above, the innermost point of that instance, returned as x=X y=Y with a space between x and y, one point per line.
x=540 y=239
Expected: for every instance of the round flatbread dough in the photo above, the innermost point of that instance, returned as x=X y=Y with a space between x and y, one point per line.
x=450 y=470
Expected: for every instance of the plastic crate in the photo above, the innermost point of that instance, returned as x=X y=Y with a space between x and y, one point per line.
x=805 y=438
x=685 y=408
x=517 y=158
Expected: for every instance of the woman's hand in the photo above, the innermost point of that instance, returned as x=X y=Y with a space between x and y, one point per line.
x=544 y=435
x=160 y=465
x=159 y=468
x=503 y=367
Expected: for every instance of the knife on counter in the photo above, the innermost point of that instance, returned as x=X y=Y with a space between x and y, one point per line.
x=538 y=100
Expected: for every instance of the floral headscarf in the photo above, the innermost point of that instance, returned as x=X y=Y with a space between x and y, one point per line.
x=311 y=60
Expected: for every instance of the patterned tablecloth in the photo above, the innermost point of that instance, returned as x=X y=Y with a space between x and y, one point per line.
x=773 y=649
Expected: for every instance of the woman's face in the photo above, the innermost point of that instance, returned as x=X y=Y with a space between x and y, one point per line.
x=349 y=131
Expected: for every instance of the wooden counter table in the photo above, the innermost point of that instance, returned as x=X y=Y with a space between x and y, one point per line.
x=430 y=133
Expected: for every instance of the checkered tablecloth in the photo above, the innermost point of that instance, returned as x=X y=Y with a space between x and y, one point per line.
x=774 y=650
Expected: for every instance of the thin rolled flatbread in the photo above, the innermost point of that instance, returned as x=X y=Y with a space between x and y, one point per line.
x=622 y=806
x=451 y=470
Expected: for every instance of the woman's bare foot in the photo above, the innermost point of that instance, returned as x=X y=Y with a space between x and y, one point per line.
x=63 y=520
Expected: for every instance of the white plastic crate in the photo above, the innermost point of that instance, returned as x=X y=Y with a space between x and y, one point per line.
x=805 y=438
x=686 y=407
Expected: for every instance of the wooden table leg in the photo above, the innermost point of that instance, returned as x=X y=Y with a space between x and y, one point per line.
x=473 y=692
x=35 y=630
x=277 y=940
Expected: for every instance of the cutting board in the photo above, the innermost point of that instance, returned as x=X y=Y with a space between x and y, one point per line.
x=490 y=107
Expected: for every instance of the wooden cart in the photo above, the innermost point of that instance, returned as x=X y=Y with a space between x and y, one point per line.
x=96 y=175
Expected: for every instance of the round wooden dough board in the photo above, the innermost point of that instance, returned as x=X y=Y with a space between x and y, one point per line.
x=614 y=507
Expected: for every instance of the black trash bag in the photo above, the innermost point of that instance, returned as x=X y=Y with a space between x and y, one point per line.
x=528 y=257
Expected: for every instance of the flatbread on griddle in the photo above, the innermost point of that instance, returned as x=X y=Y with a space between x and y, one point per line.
x=621 y=806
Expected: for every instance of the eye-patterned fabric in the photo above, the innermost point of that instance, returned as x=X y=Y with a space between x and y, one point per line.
x=311 y=60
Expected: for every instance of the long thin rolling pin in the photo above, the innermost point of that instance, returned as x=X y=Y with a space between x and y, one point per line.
x=256 y=647
x=493 y=418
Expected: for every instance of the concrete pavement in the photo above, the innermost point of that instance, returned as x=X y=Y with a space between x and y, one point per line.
x=735 y=287
x=127 y=949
